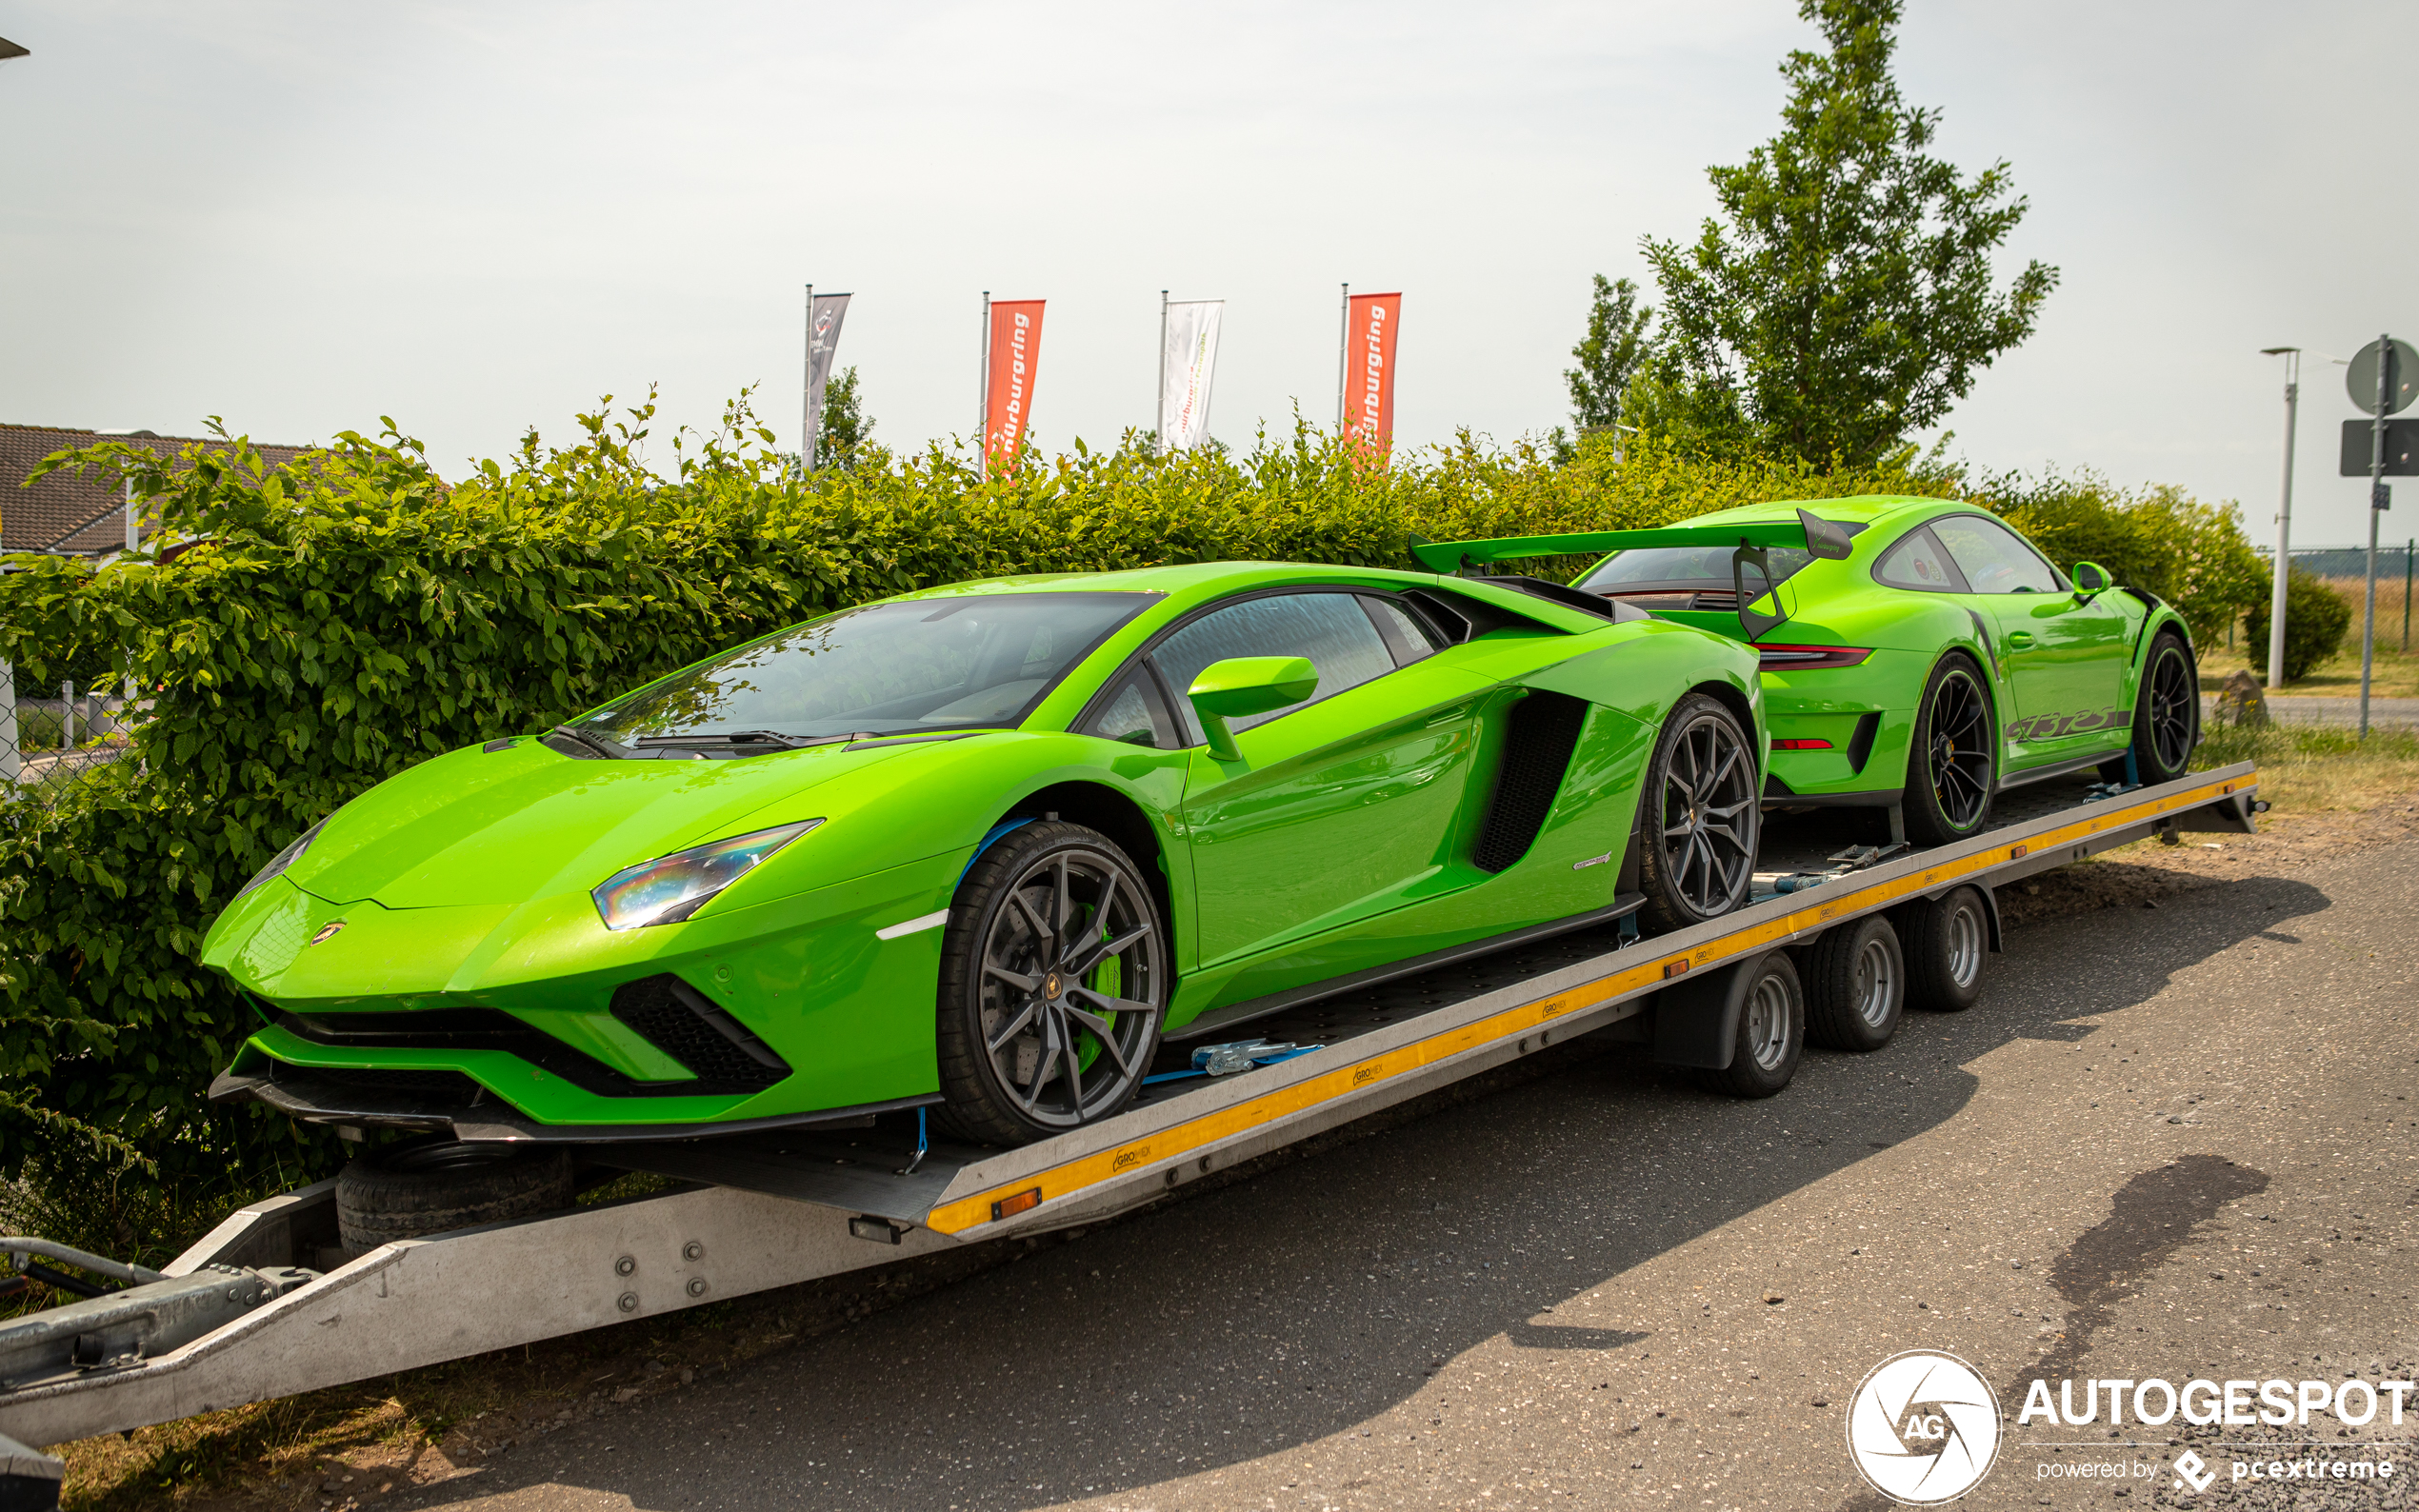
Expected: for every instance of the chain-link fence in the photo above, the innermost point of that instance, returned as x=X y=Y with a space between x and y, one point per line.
x=50 y=739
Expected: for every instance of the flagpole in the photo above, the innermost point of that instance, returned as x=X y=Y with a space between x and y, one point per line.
x=1159 y=427
x=807 y=390
x=1343 y=336
x=983 y=426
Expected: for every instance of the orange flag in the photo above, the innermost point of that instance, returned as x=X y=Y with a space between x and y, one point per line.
x=1007 y=393
x=1371 y=323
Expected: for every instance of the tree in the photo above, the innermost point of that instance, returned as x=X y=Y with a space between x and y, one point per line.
x=1615 y=342
x=1849 y=300
x=845 y=427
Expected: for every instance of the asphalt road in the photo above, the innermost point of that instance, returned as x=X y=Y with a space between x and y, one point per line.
x=2169 y=1143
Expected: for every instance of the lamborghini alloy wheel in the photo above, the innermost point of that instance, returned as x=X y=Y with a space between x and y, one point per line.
x=1697 y=855
x=1054 y=981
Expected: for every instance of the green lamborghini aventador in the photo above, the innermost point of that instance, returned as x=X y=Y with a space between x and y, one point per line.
x=1917 y=654
x=987 y=847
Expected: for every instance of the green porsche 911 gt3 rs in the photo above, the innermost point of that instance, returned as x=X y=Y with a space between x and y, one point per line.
x=1917 y=654
x=986 y=846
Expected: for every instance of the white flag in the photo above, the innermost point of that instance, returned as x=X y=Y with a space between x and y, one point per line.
x=1185 y=370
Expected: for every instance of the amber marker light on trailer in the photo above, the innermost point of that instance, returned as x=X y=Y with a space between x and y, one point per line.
x=1792 y=658
x=1023 y=1202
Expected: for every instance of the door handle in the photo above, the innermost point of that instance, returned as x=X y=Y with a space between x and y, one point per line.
x=2020 y=639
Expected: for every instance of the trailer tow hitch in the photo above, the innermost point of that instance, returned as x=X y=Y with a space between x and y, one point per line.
x=150 y=1316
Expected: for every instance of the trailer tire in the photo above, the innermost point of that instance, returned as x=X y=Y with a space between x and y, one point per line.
x=1771 y=1033
x=1945 y=940
x=1855 y=985
x=435 y=1184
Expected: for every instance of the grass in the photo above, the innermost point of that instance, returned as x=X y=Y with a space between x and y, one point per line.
x=2395 y=673
x=2318 y=768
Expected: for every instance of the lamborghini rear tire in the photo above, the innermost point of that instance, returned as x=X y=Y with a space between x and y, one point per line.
x=1053 y=986
x=1697 y=835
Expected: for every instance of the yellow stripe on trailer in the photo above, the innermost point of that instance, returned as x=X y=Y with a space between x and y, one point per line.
x=1823 y=905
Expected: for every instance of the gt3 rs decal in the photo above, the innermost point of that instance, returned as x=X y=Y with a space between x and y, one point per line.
x=2050 y=727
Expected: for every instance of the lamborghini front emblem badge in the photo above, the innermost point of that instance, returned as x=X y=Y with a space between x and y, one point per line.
x=327 y=932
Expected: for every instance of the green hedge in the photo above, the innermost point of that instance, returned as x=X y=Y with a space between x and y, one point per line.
x=2193 y=555
x=352 y=613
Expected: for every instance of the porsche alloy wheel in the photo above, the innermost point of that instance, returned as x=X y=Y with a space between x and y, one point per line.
x=1053 y=984
x=1699 y=842
x=1954 y=767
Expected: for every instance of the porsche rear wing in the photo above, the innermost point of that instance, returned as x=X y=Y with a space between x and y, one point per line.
x=763 y=1211
x=1753 y=538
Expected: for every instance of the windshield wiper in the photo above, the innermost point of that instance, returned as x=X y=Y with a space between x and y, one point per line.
x=592 y=743
x=752 y=737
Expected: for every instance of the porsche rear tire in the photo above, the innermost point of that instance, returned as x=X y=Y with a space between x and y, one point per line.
x=1053 y=986
x=1697 y=838
x=2167 y=715
x=1952 y=762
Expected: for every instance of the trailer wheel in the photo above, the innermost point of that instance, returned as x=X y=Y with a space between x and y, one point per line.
x=1054 y=981
x=1947 y=939
x=1855 y=985
x=434 y=1185
x=1771 y=1033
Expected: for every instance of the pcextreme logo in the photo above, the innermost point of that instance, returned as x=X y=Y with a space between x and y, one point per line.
x=1923 y=1428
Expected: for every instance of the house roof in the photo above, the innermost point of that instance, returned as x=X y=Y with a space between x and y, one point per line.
x=71 y=511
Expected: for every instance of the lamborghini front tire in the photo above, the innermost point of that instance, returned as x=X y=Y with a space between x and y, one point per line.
x=1053 y=987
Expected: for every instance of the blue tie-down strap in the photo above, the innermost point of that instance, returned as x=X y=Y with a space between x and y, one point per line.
x=1225 y=1059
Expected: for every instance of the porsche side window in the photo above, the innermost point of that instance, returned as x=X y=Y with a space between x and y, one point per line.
x=1329 y=628
x=1992 y=557
x=1918 y=563
x=1137 y=715
x=1405 y=636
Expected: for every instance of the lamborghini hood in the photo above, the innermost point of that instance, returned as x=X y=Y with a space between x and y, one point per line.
x=506 y=826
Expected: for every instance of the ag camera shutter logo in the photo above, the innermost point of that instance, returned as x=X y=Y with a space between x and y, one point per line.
x=1923 y=1428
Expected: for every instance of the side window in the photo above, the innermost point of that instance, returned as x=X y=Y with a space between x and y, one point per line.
x=1994 y=558
x=1919 y=563
x=1137 y=715
x=1329 y=628
x=1405 y=636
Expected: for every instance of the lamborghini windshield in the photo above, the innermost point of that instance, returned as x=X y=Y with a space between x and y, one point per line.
x=978 y=660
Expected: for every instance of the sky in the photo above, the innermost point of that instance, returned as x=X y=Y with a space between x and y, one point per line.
x=473 y=219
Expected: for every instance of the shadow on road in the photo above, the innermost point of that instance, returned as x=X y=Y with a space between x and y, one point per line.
x=1300 y=1303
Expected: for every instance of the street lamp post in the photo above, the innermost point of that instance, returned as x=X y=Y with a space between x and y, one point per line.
x=2293 y=356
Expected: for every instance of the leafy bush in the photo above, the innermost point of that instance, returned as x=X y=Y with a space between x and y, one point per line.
x=2315 y=619
x=2193 y=555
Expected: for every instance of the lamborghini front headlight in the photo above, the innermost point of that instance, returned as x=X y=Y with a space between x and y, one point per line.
x=669 y=888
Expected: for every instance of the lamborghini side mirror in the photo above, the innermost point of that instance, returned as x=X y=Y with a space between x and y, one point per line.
x=1242 y=686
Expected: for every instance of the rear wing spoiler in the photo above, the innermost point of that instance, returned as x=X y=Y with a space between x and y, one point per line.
x=1808 y=533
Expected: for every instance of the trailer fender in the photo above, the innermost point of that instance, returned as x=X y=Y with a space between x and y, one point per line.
x=1696 y=1019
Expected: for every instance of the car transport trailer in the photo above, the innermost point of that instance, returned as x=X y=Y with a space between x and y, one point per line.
x=267 y=1305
